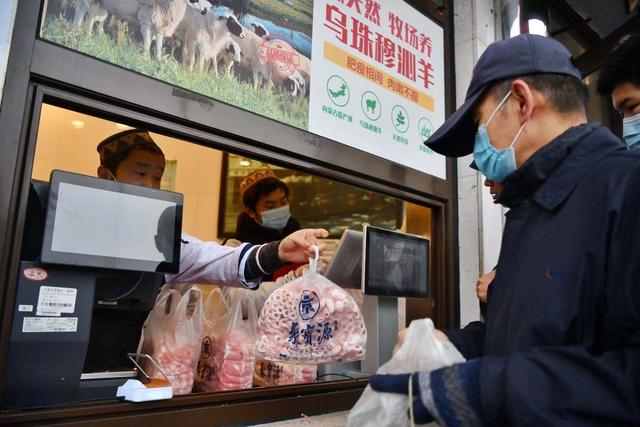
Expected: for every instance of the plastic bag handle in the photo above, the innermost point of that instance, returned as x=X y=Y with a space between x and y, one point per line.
x=313 y=262
x=412 y=420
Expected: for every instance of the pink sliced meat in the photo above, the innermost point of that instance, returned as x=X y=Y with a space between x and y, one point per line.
x=311 y=321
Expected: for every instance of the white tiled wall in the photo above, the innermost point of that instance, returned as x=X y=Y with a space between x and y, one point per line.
x=479 y=220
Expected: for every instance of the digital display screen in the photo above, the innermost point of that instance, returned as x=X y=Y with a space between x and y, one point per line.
x=396 y=264
x=99 y=223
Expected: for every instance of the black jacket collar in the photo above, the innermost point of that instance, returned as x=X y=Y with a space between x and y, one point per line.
x=550 y=175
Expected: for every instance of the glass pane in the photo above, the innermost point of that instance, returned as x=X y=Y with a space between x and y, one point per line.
x=67 y=140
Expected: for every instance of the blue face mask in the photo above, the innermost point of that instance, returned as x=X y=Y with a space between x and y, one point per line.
x=494 y=164
x=631 y=131
x=277 y=218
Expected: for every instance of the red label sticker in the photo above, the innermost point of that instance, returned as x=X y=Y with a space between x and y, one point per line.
x=281 y=58
x=35 y=273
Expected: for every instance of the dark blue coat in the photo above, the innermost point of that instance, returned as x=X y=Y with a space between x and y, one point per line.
x=561 y=343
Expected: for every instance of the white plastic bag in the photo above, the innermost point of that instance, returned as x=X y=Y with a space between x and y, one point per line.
x=215 y=309
x=311 y=320
x=421 y=351
x=228 y=357
x=172 y=336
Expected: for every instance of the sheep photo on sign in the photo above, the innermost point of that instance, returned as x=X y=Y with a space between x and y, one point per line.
x=253 y=54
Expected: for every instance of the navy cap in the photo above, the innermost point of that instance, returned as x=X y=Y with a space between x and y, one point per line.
x=518 y=56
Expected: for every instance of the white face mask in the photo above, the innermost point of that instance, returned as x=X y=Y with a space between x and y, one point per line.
x=277 y=218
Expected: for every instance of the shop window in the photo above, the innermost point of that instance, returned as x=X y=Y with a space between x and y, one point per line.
x=316 y=202
x=210 y=178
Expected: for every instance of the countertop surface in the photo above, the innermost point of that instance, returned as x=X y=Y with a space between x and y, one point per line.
x=335 y=419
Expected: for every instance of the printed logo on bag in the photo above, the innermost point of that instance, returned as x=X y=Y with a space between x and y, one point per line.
x=311 y=334
x=309 y=305
x=281 y=58
x=206 y=347
x=35 y=274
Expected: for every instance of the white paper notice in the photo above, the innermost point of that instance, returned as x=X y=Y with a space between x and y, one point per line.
x=53 y=300
x=50 y=324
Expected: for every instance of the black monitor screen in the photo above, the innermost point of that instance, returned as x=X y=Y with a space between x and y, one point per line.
x=100 y=223
x=396 y=264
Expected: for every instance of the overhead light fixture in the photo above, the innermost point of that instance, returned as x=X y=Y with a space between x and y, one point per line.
x=536 y=26
x=123 y=127
x=245 y=163
x=77 y=124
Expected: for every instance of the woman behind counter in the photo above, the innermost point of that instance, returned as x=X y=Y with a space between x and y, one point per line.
x=265 y=215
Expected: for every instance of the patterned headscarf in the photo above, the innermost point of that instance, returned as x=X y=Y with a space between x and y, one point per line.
x=125 y=141
x=255 y=177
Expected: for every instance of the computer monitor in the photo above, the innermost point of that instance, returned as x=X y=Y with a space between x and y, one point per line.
x=395 y=264
x=345 y=268
x=93 y=222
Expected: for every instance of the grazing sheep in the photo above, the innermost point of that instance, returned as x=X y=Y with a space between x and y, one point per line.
x=251 y=62
x=232 y=55
x=305 y=72
x=156 y=19
x=260 y=30
x=205 y=37
x=94 y=12
x=294 y=84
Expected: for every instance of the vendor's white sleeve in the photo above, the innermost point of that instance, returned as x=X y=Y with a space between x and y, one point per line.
x=210 y=263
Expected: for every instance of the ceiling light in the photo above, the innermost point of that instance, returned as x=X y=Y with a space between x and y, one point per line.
x=123 y=127
x=245 y=163
x=77 y=124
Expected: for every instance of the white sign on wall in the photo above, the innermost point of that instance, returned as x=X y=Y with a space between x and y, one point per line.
x=378 y=80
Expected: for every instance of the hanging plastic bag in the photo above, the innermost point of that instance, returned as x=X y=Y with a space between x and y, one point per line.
x=214 y=311
x=233 y=349
x=267 y=373
x=172 y=336
x=421 y=351
x=311 y=320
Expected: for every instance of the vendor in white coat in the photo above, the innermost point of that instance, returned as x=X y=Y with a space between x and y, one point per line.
x=133 y=157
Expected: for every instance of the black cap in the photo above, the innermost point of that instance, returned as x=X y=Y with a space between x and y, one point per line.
x=518 y=56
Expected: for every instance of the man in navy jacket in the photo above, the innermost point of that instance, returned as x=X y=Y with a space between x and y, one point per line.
x=561 y=342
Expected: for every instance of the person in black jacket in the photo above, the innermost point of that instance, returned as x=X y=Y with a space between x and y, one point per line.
x=561 y=342
x=265 y=216
x=620 y=79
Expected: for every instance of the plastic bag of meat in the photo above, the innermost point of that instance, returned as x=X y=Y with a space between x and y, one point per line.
x=311 y=320
x=215 y=310
x=233 y=349
x=172 y=336
x=269 y=373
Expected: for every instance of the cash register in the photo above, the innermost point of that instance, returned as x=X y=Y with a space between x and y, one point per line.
x=93 y=258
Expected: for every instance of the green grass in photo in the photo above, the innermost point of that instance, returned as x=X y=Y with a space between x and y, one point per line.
x=122 y=50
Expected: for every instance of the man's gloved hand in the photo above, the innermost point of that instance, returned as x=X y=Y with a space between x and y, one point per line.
x=400 y=384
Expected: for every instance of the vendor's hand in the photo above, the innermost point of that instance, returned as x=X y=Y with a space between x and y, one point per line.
x=400 y=384
x=296 y=247
x=482 y=285
x=439 y=335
